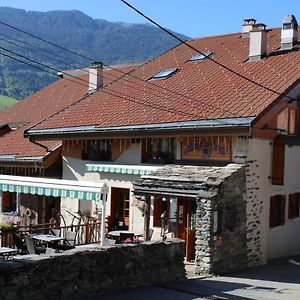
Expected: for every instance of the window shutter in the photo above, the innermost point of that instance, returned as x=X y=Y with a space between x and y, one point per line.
x=272 y=217
x=278 y=162
x=277 y=210
x=282 y=210
x=6 y=201
x=293 y=206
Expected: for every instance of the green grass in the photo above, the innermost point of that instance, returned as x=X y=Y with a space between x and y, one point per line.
x=6 y=101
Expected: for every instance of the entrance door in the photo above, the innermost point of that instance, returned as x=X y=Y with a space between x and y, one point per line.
x=119 y=208
x=186 y=226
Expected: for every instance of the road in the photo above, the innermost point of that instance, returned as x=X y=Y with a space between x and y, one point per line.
x=277 y=280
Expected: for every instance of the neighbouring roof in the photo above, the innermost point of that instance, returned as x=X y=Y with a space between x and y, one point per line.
x=181 y=180
x=42 y=104
x=198 y=91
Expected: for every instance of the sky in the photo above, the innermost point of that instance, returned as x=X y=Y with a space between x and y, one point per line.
x=193 y=18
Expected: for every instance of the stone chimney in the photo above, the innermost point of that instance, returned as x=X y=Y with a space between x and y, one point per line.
x=258 y=42
x=247 y=27
x=95 y=76
x=289 y=32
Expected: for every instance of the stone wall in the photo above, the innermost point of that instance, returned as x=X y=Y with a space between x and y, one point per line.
x=80 y=273
x=222 y=248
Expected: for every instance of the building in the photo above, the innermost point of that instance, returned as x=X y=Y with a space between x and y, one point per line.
x=208 y=140
x=22 y=157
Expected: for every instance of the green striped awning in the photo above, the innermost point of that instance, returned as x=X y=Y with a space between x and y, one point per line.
x=122 y=169
x=82 y=190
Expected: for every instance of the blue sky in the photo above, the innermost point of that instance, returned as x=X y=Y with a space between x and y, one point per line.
x=191 y=17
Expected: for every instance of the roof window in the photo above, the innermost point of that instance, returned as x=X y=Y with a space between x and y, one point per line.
x=200 y=56
x=164 y=74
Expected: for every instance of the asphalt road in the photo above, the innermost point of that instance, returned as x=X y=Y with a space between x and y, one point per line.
x=277 y=280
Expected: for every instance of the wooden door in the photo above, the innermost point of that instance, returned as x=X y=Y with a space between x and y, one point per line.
x=181 y=219
x=186 y=227
x=119 y=208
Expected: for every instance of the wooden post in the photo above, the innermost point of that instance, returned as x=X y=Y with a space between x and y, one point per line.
x=146 y=219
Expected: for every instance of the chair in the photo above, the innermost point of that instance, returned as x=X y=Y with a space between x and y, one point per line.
x=68 y=243
x=126 y=237
x=19 y=242
x=31 y=247
x=55 y=231
x=71 y=238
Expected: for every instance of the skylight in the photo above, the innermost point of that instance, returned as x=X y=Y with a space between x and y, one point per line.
x=164 y=74
x=200 y=56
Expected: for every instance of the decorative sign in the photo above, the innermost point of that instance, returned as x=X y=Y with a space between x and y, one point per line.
x=206 y=148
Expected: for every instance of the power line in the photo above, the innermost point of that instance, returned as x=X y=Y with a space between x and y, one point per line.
x=129 y=73
x=44 y=40
x=106 y=91
x=205 y=55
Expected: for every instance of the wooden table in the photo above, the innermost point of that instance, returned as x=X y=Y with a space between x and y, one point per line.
x=6 y=252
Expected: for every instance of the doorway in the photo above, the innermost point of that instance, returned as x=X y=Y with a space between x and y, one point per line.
x=119 y=209
x=186 y=216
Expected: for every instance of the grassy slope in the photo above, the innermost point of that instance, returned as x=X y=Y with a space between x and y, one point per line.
x=6 y=101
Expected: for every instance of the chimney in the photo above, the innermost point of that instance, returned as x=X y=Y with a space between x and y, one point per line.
x=258 y=42
x=289 y=32
x=247 y=27
x=95 y=76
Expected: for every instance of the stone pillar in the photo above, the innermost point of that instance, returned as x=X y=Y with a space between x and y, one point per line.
x=203 y=236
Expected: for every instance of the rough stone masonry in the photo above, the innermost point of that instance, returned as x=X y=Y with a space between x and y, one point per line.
x=76 y=273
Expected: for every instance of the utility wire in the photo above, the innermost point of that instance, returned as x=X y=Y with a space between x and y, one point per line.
x=45 y=41
x=82 y=80
x=129 y=73
x=205 y=55
x=106 y=91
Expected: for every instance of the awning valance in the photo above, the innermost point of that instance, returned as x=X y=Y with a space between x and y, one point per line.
x=122 y=169
x=83 y=190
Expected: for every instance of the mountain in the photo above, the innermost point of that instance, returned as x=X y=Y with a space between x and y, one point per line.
x=109 y=42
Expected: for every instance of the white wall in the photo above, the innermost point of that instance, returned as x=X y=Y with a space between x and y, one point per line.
x=282 y=240
x=74 y=169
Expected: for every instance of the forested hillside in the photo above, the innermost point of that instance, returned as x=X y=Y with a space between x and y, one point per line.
x=111 y=43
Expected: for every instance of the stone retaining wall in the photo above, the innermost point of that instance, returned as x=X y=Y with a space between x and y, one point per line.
x=89 y=271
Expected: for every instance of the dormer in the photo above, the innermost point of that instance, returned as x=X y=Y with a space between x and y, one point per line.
x=289 y=32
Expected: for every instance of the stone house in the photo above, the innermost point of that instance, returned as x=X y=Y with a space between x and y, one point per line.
x=209 y=140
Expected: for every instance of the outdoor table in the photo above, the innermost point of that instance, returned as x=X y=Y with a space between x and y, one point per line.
x=47 y=238
x=6 y=252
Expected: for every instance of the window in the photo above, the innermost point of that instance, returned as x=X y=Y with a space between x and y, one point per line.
x=286 y=121
x=164 y=74
x=160 y=206
x=100 y=150
x=277 y=211
x=293 y=211
x=158 y=150
x=200 y=56
x=9 y=202
x=278 y=162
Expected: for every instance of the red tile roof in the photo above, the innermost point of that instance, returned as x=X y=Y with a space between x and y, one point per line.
x=42 y=104
x=200 y=90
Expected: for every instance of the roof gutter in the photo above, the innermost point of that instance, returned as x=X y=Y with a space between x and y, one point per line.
x=231 y=123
